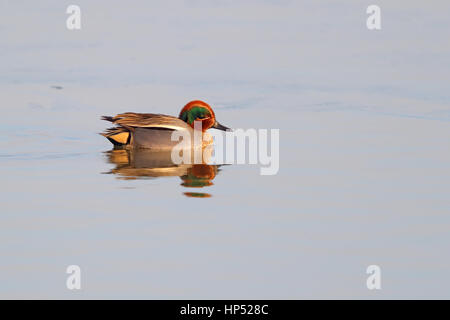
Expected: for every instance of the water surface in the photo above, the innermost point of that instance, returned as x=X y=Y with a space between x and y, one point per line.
x=364 y=151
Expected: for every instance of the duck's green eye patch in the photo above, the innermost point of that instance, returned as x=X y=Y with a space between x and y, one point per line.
x=195 y=113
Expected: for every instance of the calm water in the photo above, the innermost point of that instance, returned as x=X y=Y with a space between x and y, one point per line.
x=364 y=177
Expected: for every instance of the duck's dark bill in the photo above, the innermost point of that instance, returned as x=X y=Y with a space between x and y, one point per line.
x=220 y=127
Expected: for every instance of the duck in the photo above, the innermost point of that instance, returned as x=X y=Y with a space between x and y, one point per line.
x=154 y=131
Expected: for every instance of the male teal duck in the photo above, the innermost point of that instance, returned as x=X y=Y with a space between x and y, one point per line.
x=153 y=131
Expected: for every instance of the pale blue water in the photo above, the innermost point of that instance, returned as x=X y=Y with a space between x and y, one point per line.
x=364 y=150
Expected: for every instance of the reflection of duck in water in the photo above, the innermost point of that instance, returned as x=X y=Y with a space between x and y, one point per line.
x=144 y=163
x=153 y=131
x=199 y=176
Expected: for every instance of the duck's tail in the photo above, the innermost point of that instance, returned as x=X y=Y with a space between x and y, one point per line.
x=108 y=118
x=118 y=136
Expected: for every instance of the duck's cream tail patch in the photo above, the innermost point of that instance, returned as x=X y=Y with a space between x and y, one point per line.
x=118 y=136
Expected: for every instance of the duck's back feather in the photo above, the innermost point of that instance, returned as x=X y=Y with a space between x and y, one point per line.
x=147 y=120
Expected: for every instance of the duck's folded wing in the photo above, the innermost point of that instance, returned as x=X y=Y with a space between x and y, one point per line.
x=147 y=120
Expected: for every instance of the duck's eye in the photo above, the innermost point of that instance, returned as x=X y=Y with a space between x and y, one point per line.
x=202 y=117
